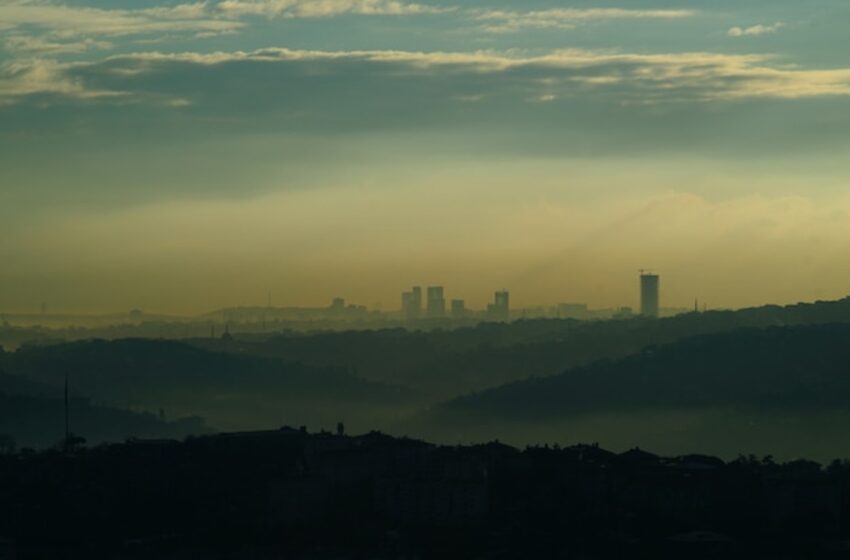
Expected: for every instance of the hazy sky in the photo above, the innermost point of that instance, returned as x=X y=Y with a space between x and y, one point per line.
x=182 y=157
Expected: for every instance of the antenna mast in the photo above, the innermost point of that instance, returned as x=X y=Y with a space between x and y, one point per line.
x=67 y=415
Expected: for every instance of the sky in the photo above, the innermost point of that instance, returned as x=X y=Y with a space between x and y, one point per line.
x=182 y=157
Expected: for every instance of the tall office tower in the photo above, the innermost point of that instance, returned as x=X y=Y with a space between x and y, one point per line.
x=407 y=305
x=500 y=309
x=649 y=294
x=458 y=309
x=416 y=302
x=436 y=303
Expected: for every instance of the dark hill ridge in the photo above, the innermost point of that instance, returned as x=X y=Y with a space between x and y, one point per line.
x=780 y=367
x=444 y=363
x=447 y=363
x=228 y=389
x=32 y=414
x=39 y=422
x=129 y=368
x=783 y=391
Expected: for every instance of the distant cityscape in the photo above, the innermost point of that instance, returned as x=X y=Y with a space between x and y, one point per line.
x=434 y=307
x=420 y=307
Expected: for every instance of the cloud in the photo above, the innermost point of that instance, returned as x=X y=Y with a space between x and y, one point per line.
x=40 y=77
x=48 y=27
x=64 y=21
x=507 y=21
x=633 y=94
x=202 y=17
x=322 y=8
x=755 y=30
x=636 y=77
x=44 y=46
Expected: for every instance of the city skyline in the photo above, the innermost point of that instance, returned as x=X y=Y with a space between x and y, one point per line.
x=439 y=304
x=183 y=156
x=450 y=304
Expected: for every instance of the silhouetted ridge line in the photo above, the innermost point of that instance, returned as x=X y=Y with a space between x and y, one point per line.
x=802 y=366
x=290 y=493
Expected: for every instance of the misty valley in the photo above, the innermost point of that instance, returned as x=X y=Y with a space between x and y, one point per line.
x=769 y=380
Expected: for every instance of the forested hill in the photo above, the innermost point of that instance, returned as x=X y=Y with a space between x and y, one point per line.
x=448 y=363
x=228 y=389
x=377 y=379
x=35 y=421
x=132 y=369
x=780 y=390
x=779 y=367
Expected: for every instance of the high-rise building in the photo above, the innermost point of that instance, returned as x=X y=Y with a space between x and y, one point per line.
x=458 y=309
x=436 y=305
x=406 y=304
x=500 y=309
x=411 y=303
x=649 y=294
x=416 y=302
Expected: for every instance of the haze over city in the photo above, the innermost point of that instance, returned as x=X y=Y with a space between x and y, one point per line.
x=196 y=156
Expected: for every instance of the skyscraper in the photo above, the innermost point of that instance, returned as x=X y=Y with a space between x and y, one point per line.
x=416 y=301
x=436 y=303
x=649 y=294
x=406 y=304
x=458 y=309
x=500 y=309
x=411 y=304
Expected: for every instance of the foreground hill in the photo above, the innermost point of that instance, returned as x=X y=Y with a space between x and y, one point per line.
x=782 y=389
x=288 y=493
x=229 y=390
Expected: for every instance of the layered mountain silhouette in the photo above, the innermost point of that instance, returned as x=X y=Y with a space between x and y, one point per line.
x=769 y=377
x=229 y=390
x=781 y=388
x=779 y=367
